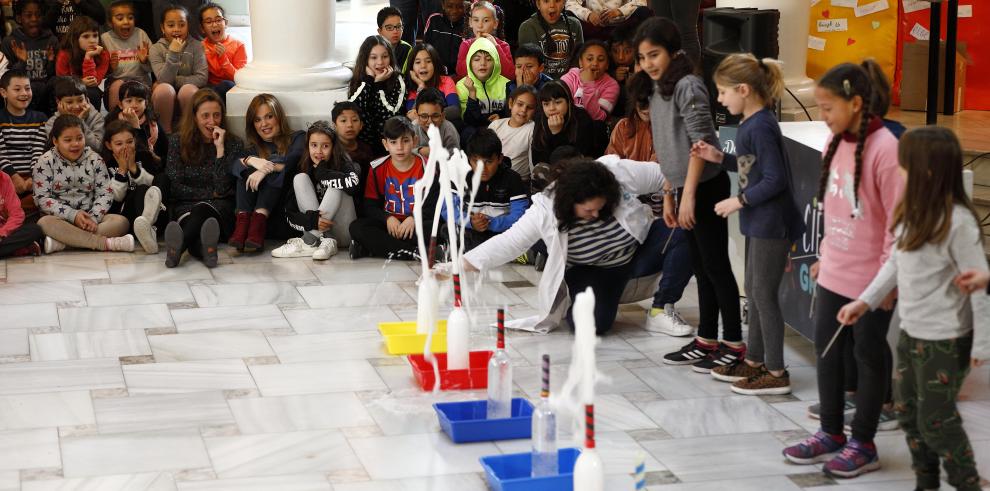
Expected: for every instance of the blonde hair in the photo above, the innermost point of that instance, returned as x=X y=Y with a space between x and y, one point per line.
x=764 y=77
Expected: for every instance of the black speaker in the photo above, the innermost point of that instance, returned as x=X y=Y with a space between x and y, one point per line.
x=731 y=30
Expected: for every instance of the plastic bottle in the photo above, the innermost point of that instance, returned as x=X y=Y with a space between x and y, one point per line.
x=589 y=470
x=544 y=430
x=458 y=332
x=500 y=377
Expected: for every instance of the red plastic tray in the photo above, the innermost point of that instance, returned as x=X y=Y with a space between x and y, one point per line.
x=475 y=377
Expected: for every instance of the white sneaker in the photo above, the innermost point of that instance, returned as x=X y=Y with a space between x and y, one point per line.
x=146 y=235
x=52 y=245
x=121 y=244
x=152 y=205
x=668 y=322
x=295 y=247
x=326 y=249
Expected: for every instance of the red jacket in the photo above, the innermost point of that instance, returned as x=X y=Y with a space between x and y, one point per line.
x=11 y=214
x=90 y=67
x=222 y=67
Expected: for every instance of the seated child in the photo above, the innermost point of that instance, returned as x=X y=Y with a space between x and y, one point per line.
x=559 y=122
x=390 y=27
x=429 y=110
x=516 y=131
x=128 y=46
x=594 y=90
x=224 y=54
x=135 y=172
x=599 y=19
x=132 y=106
x=445 y=32
x=557 y=32
x=179 y=65
x=70 y=98
x=621 y=66
x=483 y=92
x=323 y=208
x=22 y=134
x=346 y=118
x=31 y=48
x=72 y=189
x=529 y=68
x=378 y=89
x=426 y=72
x=82 y=56
x=17 y=238
x=632 y=137
x=484 y=23
x=387 y=228
x=502 y=198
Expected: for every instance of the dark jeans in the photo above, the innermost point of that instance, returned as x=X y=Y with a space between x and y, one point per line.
x=222 y=88
x=265 y=198
x=193 y=222
x=22 y=236
x=869 y=336
x=592 y=31
x=685 y=14
x=718 y=292
x=409 y=10
x=372 y=234
x=675 y=262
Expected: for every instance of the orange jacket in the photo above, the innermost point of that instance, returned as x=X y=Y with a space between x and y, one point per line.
x=222 y=67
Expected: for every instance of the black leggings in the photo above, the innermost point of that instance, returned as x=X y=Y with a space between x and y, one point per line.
x=192 y=222
x=608 y=285
x=372 y=234
x=718 y=291
x=21 y=237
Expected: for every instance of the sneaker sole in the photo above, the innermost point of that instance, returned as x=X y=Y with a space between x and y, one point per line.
x=290 y=254
x=676 y=334
x=680 y=362
x=173 y=241
x=818 y=459
x=145 y=235
x=698 y=369
x=153 y=202
x=777 y=391
x=870 y=467
x=726 y=378
x=889 y=426
x=209 y=235
x=321 y=258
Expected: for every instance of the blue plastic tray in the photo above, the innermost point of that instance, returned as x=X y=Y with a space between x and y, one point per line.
x=513 y=472
x=468 y=421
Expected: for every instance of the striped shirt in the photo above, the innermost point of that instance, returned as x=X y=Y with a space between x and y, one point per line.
x=600 y=243
x=22 y=141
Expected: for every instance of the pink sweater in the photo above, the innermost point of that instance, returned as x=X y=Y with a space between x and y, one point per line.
x=597 y=97
x=11 y=214
x=854 y=248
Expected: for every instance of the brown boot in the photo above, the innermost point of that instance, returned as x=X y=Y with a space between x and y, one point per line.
x=256 y=233
x=237 y=238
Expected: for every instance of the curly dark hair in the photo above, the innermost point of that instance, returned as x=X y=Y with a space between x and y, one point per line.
x=584 y=179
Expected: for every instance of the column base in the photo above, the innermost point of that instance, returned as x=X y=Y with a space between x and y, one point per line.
x=302 y=108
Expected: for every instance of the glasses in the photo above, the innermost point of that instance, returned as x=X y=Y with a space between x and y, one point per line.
x=215 y=20
x=435 y=117
x=392 y=27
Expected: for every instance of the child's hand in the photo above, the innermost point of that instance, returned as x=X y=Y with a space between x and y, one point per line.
x=972 y=280
x=889 y=300
x=412 y=115
x=420 y=83
x=219 y=49
x=84 y=109
x=587 y=76
x=850 y=313
x=114 y=61
x=595 y=18
x=125 y=160
x=381 y=77
x=392 y=225
x=130 y=117
x=177 y=45
x=479 y=222
x=84 y=221
x=142 y=55
x=612 y=16
x=90 y=81
x=728 y=206
x=407 y=228
x=493 y=117
x=469 y=85
x=621 y=73
x=814 y=270
x=707 y=152
x=555 y=123
x=324 y=224
x=685 y=216
x=19 y=50
x=491 y=38
x=95 y=52
x=669 y=215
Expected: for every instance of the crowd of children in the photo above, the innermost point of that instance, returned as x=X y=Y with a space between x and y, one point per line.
x=591 y=128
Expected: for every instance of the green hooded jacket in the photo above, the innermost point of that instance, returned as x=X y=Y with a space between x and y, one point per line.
x=492 y=96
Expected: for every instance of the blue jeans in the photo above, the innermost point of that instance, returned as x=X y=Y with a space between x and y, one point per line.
x=675 y=262
x=222 y=88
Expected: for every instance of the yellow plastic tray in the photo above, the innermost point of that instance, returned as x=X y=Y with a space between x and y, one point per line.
x=401 y=338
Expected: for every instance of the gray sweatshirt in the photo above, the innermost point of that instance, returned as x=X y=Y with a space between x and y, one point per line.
x=929 y=304
x=178 y=69
x=92 y=128
x=677 y=123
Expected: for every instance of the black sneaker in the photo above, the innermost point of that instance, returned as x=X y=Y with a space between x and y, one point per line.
x=173 y=244
x=209 y=236
x=725 y=355
x=691 y=353
x=540 y=261
x=356 y=251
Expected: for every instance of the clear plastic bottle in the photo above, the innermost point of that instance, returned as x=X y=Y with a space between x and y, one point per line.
x=544 y=430
x=500 y=377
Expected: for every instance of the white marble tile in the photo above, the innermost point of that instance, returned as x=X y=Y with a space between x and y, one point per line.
x=686 y=418
x=454 y=482
x=139 y=293
x=399 y=378
x=316 y=377
x=114 y=318
x=560 y=344
x=429 y=454
x=229 y=295
x=411 y=411
x=713 y=458
x=347 y=272
x=264 y=272
x=976 y=419
x=147 y=481
x=10 y=480
x=28 y=315
x=126 y=453
x=616 y=379
x=673 y=382
x=47 y=292
x=90 y=344
x=797 y=412
x=156 y=272
x=327 y=347
x=617 y=449
x=316 y=321
x=89 y=269
x=482 y=295
x=29 y=449
x=355 y=295
x=51 y=409
x=299 y=413
x=161 y=412
x=804 y=382
x=209 y=346
x=282 y=453
x=976 y=388
x=13 y=342
x=187 y=376
x=294 y=482
x=775 y=483
x=60 y=376
x=247 y=317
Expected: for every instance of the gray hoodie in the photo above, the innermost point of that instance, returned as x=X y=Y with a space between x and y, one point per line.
x=679 y=122
x=178 y=69
x=92 y=128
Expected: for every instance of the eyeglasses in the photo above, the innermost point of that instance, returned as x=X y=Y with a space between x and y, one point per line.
x=430 y=117
x=214 y=20
x=392 y=27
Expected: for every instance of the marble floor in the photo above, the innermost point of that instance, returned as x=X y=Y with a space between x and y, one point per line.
x=117 y=373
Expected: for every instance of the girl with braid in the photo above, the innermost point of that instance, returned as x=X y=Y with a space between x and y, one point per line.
x=861 y=185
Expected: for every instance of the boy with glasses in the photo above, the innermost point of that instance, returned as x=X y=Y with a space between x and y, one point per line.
x=429 y=108
x=390 y=27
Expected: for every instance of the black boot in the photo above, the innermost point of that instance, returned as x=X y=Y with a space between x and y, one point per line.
x=174 y=246
x=209 y=235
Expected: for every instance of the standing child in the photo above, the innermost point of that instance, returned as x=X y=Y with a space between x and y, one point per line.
x=82 y=56
x=594 y=89
x=133 y=107
x=768 y=215
x=427 y=72
x=324 y=204
x=484 y=24
x=128 y=46
x=377 y=88
x=31 y=47
x=680 y=117
x=560 y=123
x=445 y=32
x=860 y=187
x=390 y=27
x=483 y=92
x=17 y=238
x=557 y=32
x=179 y=65
x=224 y=54
x=72 y=189
x=938 y=235
x=135 y=172
x=529 y=68
x=516 y=131
x=601 y=18
x=22 y=134
x=70 y=97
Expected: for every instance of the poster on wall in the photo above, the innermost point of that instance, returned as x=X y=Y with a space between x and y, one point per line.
x=850 y=31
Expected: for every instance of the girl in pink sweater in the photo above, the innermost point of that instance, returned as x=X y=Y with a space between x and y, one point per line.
x=593 y=88
x=860 y=186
